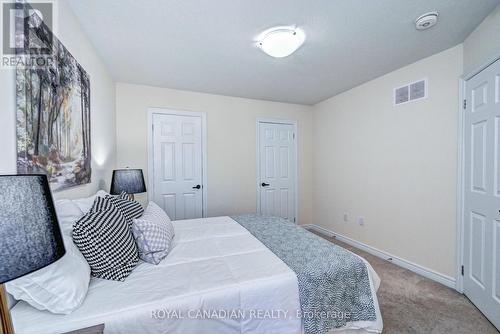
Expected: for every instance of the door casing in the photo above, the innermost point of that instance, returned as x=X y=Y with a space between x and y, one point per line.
x=204 y=179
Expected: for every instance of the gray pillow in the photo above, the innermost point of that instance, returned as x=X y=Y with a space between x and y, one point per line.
x=153 y=233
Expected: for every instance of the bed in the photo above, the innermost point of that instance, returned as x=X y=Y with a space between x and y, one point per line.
x=215 y=268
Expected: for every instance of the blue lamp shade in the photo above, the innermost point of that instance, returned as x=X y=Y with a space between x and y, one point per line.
x=29 y=231
x=130 y=181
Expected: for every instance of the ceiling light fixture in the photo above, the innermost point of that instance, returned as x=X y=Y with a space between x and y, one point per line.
x=279 y=42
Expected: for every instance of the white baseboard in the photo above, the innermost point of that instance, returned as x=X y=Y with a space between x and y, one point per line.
x=418 y=269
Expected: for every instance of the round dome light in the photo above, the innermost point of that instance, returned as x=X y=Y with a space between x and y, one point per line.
x=281 y=42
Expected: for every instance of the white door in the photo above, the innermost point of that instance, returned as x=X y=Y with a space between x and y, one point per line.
x=277 y=166
x=177 y=165
x=482 y=192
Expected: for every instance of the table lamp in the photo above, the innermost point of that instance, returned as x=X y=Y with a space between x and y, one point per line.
x=128 y=180
x=29 y=232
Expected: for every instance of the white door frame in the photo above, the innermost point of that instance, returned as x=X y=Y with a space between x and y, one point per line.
x=167 y=111
x=459 y=284
x=257 y=150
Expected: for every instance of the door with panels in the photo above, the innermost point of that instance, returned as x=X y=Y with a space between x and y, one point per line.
x=277 y=170
x=482 y=192
x=177 y=160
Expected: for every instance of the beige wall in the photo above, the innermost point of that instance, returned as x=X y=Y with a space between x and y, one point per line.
x=395 y=166
x=231 y=142
x=358 y=154
x=483 y=43
x=102 y=108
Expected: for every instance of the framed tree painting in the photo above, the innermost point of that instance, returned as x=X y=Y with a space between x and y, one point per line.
x=53 y=115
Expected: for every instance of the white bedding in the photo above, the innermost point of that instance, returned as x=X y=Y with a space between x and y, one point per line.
x=215 y=265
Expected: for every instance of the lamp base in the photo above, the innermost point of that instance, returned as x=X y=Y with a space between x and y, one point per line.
x=6 y=323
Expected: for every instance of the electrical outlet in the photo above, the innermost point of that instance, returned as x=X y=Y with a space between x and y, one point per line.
x=346 y=217
x=361 y=221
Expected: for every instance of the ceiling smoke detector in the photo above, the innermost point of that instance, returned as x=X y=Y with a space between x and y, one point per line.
x=426 y=21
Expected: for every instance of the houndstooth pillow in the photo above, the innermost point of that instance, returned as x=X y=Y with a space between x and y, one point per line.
x=130 y=209
x=153 y=233
x=105 y=240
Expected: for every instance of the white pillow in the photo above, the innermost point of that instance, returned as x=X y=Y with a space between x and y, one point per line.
x=62 y=286
x=85 y=204
x=11 y=301
x=67 y=213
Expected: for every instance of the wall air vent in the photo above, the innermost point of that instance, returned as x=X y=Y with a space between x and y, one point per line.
x=410 y=92
x=402 y=95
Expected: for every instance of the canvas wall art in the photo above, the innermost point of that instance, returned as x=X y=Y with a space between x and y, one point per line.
x=53 y=115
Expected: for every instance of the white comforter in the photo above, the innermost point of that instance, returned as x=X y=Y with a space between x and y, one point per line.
x=215 y=266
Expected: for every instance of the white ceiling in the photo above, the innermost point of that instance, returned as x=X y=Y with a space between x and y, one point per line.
x=207 y=45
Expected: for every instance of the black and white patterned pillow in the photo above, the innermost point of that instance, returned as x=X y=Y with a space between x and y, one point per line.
x=106 y=242
x=130 y=209
x=123 y=195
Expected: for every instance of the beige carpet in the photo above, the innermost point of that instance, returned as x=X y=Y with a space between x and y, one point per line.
x=414 y=304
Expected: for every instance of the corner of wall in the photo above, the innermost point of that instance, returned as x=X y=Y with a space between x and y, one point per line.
x=482 y=46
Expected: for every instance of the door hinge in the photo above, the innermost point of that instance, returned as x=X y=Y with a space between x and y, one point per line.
x=294 y=220
x=462 y=270
x=293 y=135
x=465 y=104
